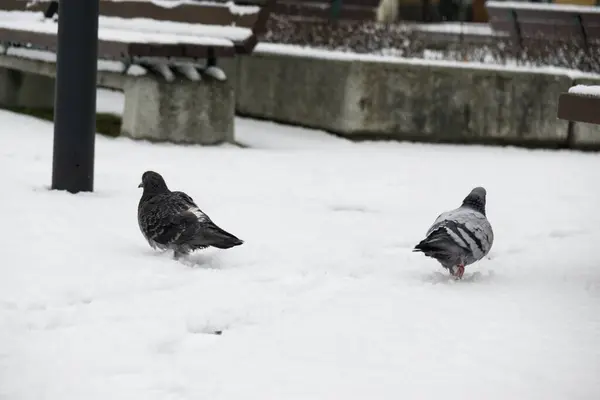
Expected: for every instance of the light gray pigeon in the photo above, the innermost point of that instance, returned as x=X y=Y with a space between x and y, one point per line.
x=172 y=221
x=460 y=237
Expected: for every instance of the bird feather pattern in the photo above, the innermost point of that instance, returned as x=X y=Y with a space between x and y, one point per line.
x=461 y=236
x=172 y=220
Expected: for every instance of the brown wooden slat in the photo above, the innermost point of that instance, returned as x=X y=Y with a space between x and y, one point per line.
x=550 y=30
x=41 y=40
x=21 y=5
x=545 y=15
x=159 y=50
x=593 y=33
x=327 y=3
x=591 y=19
x=117 y=50
x=260 y=25
x=591 y=24
x=192 y=51
x=346 y=13
x=185 y=13
x=580 y=108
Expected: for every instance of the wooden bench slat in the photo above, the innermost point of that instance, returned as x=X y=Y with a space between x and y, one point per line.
x=591 y=19
x=118 y=50
x=193 y=13
x=580 y=108
x=555 y=31
x=185 y=13
x=546 y=15
x=120 y=33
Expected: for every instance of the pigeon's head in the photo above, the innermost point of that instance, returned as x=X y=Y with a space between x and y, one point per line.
x=476 y=199
x=153 y=182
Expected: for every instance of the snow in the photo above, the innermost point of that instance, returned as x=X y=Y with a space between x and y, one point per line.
x=112 y=33
x=189 y=71
x=483 y=29
x=326 y=54
x=589 y=90
x=216 y=73
x=324 y=300
x=543 y=6
x=176 y=28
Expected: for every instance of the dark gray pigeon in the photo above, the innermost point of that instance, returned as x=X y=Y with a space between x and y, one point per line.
x=172 y=221
x=460 y=237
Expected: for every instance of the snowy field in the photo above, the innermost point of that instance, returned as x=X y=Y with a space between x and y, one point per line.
x=325 y=300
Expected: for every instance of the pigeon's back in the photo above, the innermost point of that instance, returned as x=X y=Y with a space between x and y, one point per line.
x=465 y=231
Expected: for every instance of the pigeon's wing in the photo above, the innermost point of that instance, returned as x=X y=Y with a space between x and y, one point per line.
x=185 y=198
x=189 y=205
x=468 y=229
x=167 y=218
x=175 y=219
x=461 y=235
x=478 y=229
x=204 y=232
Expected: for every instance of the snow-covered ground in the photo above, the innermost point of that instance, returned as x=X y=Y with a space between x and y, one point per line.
x=325 y=300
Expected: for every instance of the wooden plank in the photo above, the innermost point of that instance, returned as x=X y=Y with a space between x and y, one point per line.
x=186 y=13
x=206 y=14
x=117 y=50
x=350 y=10
x=579 y=108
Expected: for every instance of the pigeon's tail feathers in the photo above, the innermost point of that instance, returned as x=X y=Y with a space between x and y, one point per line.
x=438 y=244
x=219 y=238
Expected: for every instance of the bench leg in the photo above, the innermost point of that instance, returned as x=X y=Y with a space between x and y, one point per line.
x=181 y=111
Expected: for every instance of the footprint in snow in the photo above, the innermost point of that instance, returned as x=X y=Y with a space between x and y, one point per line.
x=439 y=277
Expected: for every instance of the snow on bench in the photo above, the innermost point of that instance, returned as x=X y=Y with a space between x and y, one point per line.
x=593 y=90
x=164 y=32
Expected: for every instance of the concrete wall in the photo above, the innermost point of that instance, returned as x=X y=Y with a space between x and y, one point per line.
x=407 y=101
x=358 y=99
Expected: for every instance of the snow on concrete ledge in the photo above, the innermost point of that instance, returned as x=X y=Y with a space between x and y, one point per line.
x=588 y=90
x=542 y=6
x=467 y=28
x=338 y=55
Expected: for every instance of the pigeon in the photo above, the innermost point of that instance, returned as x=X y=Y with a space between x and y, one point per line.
x=172 y=221
x=460 y=237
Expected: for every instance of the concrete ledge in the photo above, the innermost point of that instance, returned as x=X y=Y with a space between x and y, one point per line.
x=404 y=100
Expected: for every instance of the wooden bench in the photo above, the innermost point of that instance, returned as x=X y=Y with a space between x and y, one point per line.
x=138 y=30
x=535 y=23
x=346 y=10
x=174 y=46
x=580 y=104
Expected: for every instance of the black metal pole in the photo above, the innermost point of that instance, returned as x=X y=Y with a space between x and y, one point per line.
x=75 y=97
